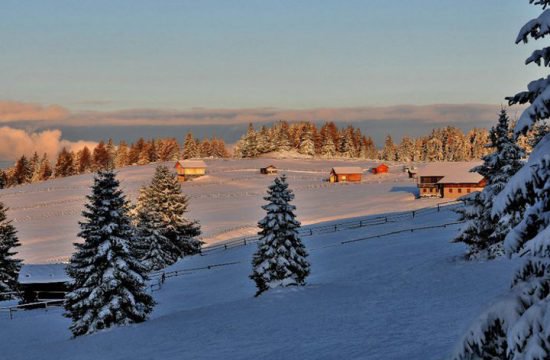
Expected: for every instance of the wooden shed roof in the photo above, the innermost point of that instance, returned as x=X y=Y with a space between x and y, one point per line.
x=43 y=274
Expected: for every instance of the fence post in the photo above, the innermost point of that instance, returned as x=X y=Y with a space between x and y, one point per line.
x=310 y=232
x=225 y=246
x=361 y=223
x=386 y=218
x=11 y=314
x=244 y=241
x=437 y=207
x=335 y=228
x=413 y=213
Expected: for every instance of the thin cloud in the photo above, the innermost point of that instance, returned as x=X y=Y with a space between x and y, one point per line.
x=12 y=111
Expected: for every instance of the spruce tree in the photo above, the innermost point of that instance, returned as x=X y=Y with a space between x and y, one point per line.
x=517 y=326
x=164 y=202
x=482 y=232
x=154 y=249
x=108 y=283
x=9 y=266
x=190 y=149
x=281 y=257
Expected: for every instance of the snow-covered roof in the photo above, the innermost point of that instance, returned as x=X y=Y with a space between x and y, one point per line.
x=452 y=172
x=347 y=170
x=192 y=163
x=461 y=178
x=43 y=273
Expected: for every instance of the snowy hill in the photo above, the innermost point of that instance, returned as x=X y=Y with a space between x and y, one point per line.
x=407 y=295
x=47 y=214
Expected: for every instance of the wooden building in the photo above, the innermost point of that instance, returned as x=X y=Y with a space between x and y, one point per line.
x=190 y=169
x=453 y=187
x=381 y=169
x=43 y=282
x=346 y=174
x=268 y=170
x=451 y=181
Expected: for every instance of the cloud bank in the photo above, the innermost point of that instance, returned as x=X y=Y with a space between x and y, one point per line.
x=17 y=142
x=17 y=112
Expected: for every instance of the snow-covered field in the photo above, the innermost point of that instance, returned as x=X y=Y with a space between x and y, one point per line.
x=403 y=296
x=227 y=201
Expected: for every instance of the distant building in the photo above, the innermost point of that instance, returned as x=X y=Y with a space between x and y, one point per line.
x=380 y=169
x=448 y=182
x=268 y=170
x=190 y=169
x=346 y=174
x=43 y=282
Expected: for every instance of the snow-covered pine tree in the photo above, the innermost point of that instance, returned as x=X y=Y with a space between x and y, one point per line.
x=517 y=327
x=250 y=145
x=108 y=282
x=307 y=145
x=190 y=147
x=9 y=266
x=164 y=202
x=390 y=150
x=281 y=256
x=153 y=249
x=481 y=231
x=121 y=157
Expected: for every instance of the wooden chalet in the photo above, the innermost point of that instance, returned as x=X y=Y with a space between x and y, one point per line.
x=268 y=170
x=448 y=182
x=43 y=282
x=346 y=174
x=380 y=169
x=455 y=186
x=190 y=169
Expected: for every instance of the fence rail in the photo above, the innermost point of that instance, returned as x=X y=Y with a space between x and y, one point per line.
x=324 y=229
x=35 y=305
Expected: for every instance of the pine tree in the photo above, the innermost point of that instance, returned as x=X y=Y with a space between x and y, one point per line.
x=23 y=171
x=190 y=149
x=35 y=166
x=281 y=257
x=480 y=230
x=9 y=267
x=122 y=156
x=101 y=157
x=45 y=168
x=84 y=162
x=108 y=282
x=111 y=151
x=163 y=200
x=65 y=164
x=517 y=327
x=307 y=145
x=154 y=250
x=390 y=151
x=250 y=146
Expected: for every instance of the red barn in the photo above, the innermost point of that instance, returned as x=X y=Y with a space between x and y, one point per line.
x=380 y=169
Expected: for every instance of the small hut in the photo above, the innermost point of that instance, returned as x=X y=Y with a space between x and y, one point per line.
x=346 y=174
x=268 y=170
x=190 y=169
x=380 y=169
x=43 y=282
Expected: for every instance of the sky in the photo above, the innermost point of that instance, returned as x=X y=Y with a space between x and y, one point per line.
x=101 y=57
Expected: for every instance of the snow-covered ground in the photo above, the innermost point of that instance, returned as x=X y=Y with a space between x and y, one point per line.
x=227 y=201
x=403 y=296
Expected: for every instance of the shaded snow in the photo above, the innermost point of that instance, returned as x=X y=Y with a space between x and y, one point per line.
x=404 y=296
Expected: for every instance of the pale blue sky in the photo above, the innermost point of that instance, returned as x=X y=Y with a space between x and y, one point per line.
x=105 y=55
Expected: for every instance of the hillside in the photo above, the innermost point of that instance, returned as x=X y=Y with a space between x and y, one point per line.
x=402 y=296
x=227 y=201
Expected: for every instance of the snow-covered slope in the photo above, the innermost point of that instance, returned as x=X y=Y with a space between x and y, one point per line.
x=402 y=296
x=227 y=201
